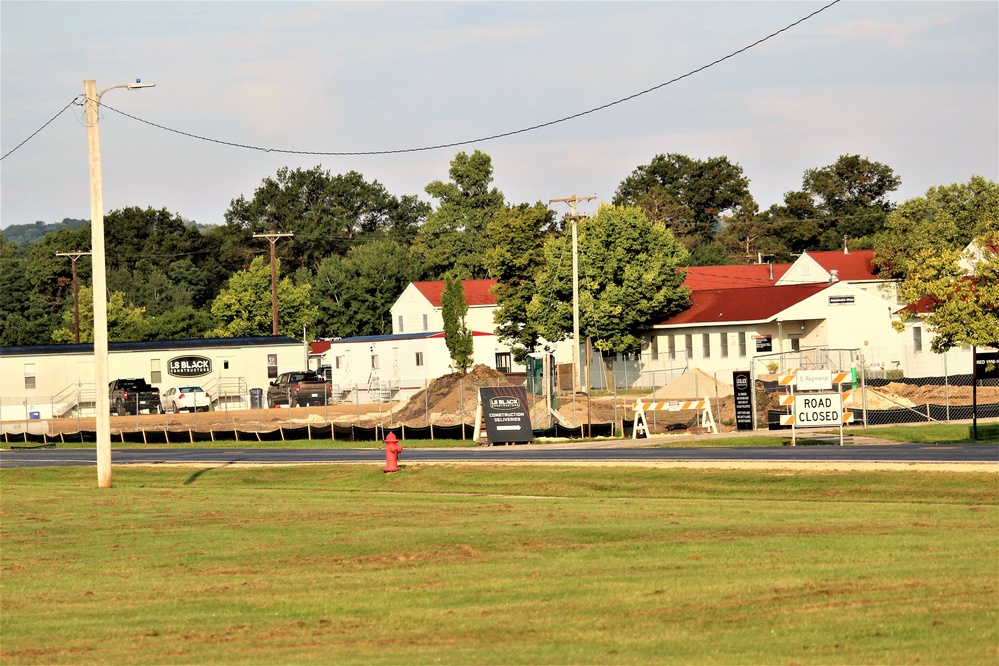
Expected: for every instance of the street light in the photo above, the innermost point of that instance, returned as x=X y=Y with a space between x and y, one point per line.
x=101 y=402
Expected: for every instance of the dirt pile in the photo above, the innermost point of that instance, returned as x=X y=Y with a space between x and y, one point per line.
x=694 y=384
x=450 y=399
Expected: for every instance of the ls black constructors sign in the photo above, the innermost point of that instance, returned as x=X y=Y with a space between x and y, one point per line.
x=506 y=413
x=742 y=388
x=189 y=366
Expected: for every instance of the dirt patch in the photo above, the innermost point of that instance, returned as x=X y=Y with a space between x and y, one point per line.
x=451 y=399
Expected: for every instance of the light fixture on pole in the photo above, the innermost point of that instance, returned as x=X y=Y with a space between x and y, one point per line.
x=102 y=402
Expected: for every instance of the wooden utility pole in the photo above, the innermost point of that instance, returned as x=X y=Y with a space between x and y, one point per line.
x=272 y=237
x=74 y=255
x=574 y=218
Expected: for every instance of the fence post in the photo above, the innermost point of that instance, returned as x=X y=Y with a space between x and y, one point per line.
x=947 y=387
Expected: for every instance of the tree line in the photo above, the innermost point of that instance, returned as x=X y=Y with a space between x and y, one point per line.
x=355 y=247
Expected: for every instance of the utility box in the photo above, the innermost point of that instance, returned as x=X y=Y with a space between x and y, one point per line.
x=536 y=372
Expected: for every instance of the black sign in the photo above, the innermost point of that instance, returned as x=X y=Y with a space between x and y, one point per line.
x=764 y=343
x=189 y=366
x=507 y=415
x=742 y=383
x=986 y=365
x=840 y=300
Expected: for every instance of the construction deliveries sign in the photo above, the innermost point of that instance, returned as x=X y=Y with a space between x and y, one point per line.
x=506 y=413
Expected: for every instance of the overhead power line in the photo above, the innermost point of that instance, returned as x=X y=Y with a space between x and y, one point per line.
x=71 y=103
x=454 y=144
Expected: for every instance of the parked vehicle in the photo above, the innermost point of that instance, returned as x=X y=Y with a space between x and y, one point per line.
x=132 y=396
x=185 y=399
x=299 y=389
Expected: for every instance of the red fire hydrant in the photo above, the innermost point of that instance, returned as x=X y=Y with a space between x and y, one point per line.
x=392 y=451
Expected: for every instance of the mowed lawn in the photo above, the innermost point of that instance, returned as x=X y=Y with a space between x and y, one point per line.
x=498 y=565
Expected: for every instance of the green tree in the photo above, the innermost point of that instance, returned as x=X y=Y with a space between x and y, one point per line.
x=27 y=317
x=453 y=237
x=515 y=236
x=456 y=334
x=182 y=323
x=126 y=322
x=689 y=196
x=959 y=309
x=328 y=214
x=751 y=235
x=847 y=199
x=945 y=218
x=630 y=278
x=354 y=294
x=243 y=307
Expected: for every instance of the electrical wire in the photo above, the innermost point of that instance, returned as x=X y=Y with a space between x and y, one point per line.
x=493 y=136
x=72 y=102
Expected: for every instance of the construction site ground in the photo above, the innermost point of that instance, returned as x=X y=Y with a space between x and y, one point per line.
x=452 y=399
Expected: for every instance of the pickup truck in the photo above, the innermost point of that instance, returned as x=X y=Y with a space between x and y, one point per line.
x=131 y=396
x=299 y=389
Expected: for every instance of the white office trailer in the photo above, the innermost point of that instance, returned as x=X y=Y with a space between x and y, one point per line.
x=56 y=381
x=383 y=367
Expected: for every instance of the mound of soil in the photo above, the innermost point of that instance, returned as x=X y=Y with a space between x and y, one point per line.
x=450 y=399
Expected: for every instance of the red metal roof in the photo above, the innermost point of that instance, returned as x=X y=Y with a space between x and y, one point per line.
x=476 y=291
x=853 y=266
x=712 y=306
x=700 y=278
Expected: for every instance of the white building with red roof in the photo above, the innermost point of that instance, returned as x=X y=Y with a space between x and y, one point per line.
x=737 y=315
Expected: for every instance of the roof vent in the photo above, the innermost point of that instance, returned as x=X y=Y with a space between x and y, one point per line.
x=834 y=275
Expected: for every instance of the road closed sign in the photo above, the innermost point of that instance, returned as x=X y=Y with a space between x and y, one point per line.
x=817 y=410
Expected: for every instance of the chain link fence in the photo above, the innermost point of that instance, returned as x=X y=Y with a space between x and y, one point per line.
x=896 y=385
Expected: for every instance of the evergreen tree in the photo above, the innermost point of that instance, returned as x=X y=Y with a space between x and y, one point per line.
x=456 y=334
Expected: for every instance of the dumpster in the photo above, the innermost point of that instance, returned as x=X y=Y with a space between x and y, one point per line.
x=256 y=398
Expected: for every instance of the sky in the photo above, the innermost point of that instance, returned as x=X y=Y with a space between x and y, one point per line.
x=913 y=85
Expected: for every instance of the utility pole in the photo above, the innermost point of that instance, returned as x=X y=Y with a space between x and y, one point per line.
x=272 y=237
x=574 y=218
x=74 y=255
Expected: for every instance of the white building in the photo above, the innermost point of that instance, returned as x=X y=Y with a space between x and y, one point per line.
x=400 y=364
x=58 y=380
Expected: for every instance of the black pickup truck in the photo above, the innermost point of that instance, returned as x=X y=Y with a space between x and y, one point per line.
x=131 y=396
x=299 y=389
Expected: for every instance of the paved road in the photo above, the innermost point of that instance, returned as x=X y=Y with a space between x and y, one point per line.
x=977 y=455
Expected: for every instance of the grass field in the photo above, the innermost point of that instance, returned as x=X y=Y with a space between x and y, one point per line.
x=484 y=565
x=936 y=433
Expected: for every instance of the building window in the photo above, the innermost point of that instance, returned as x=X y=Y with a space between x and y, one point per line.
x=336 y=362
x=374 y=361
x=503 y=362
x=688 y=345
x=401 y=330
x=795 y=343
x=654 y=346
x=742 y=344
x=724 y=345
x=155 y=373
x=426 y=323
x=706 y=344
x=917 y=339
x=671 y=347
x=419 y=359
x=29 y=375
